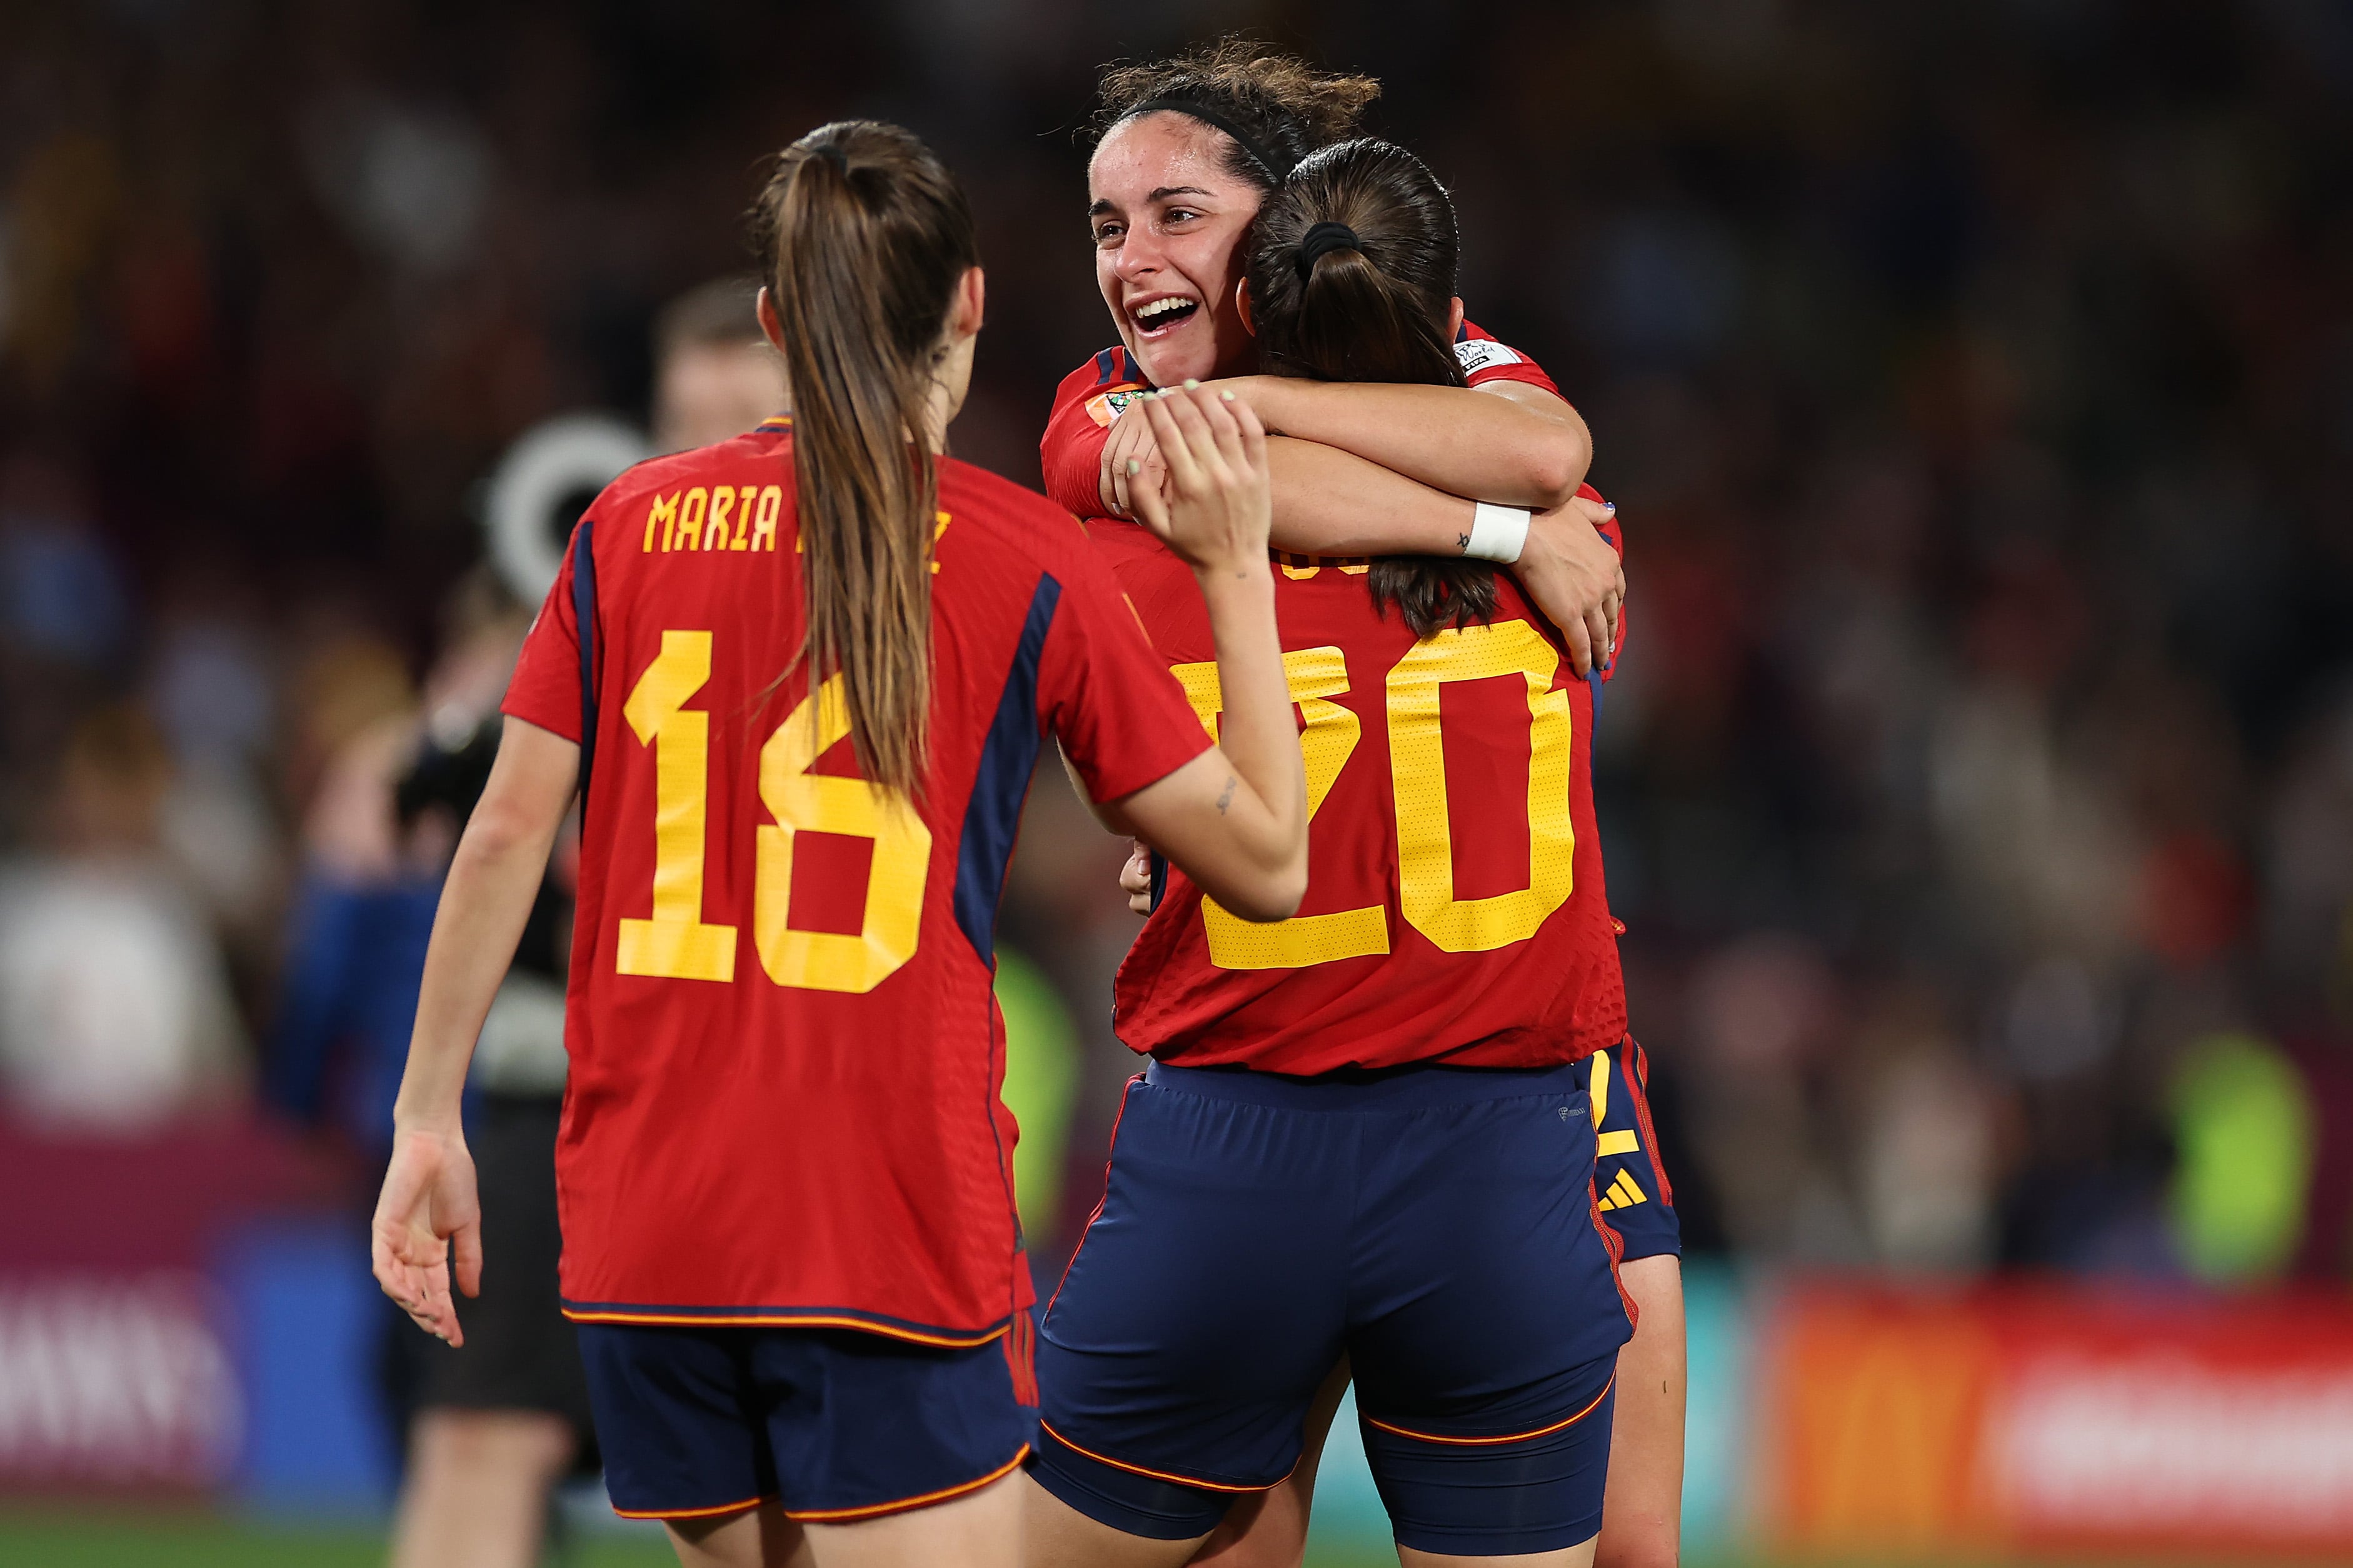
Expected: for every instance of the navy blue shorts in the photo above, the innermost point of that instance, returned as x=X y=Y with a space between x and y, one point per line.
x=833 y=1424
x=1436 y=1224
x=1629 y=1179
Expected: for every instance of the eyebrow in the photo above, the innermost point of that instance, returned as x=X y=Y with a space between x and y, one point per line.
x=1160 y=194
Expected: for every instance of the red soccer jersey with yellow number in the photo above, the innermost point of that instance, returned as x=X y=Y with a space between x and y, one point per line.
x=1455 y=909
x=1092 y=396
x=783 y=1105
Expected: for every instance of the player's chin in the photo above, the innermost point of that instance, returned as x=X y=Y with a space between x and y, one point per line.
x=1188 y=352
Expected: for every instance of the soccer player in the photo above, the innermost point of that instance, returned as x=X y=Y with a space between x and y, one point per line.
x=800 y=680
x=500 y=1423
x=1367 y=1130
x=1190 y=147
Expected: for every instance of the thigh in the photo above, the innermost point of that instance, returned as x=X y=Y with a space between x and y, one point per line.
x=980 y=1528
x=1641 y=1518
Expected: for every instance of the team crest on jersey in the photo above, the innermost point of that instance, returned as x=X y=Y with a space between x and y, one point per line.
x=1477 y=354
x=1107 y=407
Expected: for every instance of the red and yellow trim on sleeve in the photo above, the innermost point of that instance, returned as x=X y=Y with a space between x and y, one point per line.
x=775 y=422
x=876 y=1510
x=1162 y=1475
x=1507 y=1438
x=691 y=1512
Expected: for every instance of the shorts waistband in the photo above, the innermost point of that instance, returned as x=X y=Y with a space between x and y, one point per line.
x=1400 y=1088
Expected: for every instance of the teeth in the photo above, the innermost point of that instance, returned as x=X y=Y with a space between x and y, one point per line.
x=1159 y=307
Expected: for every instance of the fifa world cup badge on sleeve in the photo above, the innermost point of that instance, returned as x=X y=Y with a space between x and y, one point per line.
x=1106 y=407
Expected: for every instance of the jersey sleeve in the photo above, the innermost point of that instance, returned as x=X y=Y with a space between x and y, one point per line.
x=1630 y=1180
x=546 y=690
x=1070 y=454
x=1484 y=360
x=1104 y=691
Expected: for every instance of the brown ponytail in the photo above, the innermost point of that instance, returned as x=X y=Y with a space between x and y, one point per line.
x=1352 y=279
x=864 y=237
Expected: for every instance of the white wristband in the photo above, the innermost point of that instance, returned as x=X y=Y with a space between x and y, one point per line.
x=1497 y=532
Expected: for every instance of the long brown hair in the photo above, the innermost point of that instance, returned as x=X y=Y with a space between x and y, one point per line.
x=864 y=236
x=1352 y=279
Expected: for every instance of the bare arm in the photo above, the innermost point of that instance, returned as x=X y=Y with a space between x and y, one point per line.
x=1235 y=818
x=1508 y=442
x=428 y=1199
x=1328 y=501
x=1331 y=503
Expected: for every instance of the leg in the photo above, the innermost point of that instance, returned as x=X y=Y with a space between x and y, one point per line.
x=979 y=1529
x=1056 y=1535
x=1268 y=1529
x=758 y=1537
x=478 y=1486
x=1641 y=1512
x=1578 y=1556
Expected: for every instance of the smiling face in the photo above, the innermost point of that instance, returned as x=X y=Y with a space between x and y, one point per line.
x=1168 y=223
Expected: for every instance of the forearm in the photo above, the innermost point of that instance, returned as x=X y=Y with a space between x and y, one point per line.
x=1514 y=451
x=1331 y=503
x=1256 y=733
x=492 y=883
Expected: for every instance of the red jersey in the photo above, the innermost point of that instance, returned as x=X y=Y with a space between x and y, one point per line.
x=783 y=1105
x=1092 y=396
x=1455 y=909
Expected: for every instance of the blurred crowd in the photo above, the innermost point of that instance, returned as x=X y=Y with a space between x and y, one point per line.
x=1976 y=382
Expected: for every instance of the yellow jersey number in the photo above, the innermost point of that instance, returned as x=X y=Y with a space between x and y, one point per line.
x=677 y=943
x=1417 y=775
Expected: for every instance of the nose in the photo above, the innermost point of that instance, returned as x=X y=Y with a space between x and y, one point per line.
x=1138 y=258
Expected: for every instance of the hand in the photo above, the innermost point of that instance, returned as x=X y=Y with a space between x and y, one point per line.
x=1576 y=578
x=1131 y=439
x=1218 y=502
x=428 y=1202
x=1135 y=877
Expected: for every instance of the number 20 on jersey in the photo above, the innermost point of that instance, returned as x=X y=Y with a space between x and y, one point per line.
x=1425 y=836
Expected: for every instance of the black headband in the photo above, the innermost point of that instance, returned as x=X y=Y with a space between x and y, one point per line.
x=1324 y=238
x=1278 y=169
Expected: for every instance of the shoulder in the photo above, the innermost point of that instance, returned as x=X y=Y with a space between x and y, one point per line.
x=1484 y=358
x=1011 y=514
x=1102 y=385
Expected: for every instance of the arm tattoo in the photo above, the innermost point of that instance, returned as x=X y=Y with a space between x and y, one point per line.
x=1461 y=541
x=1225 y=795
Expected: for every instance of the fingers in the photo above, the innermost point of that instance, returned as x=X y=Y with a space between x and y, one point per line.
x=1188 y=407
x=1580 y=645
x=1159 y=412
x=1596 y=633
x=1253 y=433
x=467 y=1243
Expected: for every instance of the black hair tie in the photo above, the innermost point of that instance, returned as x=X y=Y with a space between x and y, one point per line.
x=832 y=154
x=1324 y=238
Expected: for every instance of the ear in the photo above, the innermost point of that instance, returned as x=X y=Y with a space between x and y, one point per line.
x=766 y=309
x=971 y=306
x=1454 y=317
x=1242 y=307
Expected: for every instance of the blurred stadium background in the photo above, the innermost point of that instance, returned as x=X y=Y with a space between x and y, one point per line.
x=1976 y=381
